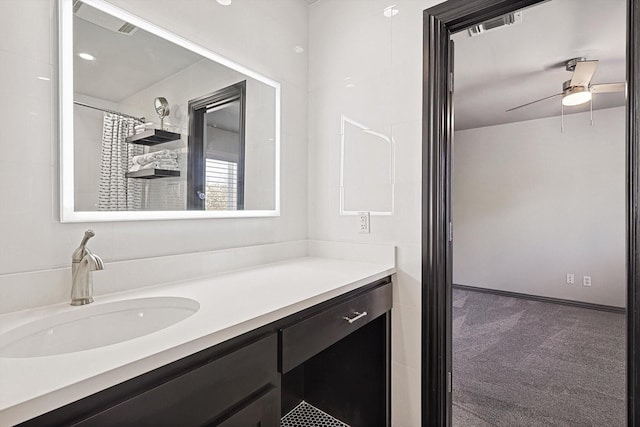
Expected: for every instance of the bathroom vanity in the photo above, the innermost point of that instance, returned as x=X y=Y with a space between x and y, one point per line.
x=264 y=340
x=334 y=355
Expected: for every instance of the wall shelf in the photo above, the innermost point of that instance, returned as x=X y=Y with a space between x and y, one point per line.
x=153 y=137
x=153 y=174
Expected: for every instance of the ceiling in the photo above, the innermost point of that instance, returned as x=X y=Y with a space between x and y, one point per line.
x=494 y=71
x=520 y=63
x=149 y=59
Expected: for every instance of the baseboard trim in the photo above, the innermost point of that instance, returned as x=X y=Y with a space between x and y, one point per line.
x=580 y=304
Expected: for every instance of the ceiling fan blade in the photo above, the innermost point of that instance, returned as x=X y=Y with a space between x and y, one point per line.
x=583 y=73
x=608 y=87
x=533 y=102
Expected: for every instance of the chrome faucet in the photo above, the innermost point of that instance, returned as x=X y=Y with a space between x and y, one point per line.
x=83 y=262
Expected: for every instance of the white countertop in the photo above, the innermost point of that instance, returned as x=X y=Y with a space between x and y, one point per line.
x=230 y=305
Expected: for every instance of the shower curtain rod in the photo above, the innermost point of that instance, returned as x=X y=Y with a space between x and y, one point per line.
x=141 y=119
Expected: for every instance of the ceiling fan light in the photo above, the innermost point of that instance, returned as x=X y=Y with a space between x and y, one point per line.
x=576 y=96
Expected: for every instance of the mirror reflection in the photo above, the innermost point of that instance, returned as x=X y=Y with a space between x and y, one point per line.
x=217 y=150
x=158 y=127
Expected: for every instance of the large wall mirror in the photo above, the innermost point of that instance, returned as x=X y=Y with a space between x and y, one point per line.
x=156 y=127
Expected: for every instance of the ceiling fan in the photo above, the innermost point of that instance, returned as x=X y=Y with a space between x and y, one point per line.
x=579 y=89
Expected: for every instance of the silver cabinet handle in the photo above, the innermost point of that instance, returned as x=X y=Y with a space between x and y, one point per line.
x=353 y=319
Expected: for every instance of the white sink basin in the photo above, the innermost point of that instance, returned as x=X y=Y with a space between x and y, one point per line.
x=95 y=325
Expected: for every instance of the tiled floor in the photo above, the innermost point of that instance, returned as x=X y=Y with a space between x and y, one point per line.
x=305 y=415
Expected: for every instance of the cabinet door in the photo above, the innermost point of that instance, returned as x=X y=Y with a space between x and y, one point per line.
x=200 y=395
x=261 y=412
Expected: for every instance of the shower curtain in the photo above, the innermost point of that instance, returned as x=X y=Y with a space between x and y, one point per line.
x=116 y=192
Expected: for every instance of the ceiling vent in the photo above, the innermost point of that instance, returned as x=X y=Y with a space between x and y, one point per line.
x=103 y=20
x=127 y=28
x=494 y=24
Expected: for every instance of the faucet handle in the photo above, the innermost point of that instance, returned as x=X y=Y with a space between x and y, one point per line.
x=99 y=262
x=81 y=250
x=94 y=260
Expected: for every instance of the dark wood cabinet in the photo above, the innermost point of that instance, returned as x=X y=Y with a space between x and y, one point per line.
x=264 y=411
x=308 y=337
x=200 y=395
x=338 y=360
x=321 y=355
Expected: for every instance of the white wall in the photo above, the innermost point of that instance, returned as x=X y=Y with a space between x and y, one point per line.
x=383 y=58
x=258 y=34
x=532 y=204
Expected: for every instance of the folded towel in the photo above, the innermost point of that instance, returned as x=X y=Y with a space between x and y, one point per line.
x=171 y=156
x=143 y=159
x=165 y=166
x=172 y=166
x=142 y=127
x=163 y=163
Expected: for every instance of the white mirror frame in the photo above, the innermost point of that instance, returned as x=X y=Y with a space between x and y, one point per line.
x=65 y=40
x=392 y=152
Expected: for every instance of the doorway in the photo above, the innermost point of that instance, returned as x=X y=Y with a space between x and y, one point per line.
x=439 y=23
x=215 y=179
x=538 y=210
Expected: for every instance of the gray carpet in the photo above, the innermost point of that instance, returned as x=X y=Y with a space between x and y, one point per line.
x=526 y=363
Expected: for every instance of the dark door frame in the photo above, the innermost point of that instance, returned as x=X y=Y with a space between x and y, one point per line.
x=437 y=125
x=196 y=157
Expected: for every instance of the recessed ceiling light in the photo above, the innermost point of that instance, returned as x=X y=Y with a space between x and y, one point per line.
x=390 y=11
x=298 y=49
x=86 y=56
x=224 y=2
x=46 y=79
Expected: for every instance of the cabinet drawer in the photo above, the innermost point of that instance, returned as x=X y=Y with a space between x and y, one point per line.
x=196 y=397
x=264 y=411
x=310 y=336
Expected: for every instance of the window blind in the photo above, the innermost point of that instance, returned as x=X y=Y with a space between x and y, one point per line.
x=221 y=183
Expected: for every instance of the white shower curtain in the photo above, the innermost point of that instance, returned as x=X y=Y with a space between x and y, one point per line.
x=116 y=192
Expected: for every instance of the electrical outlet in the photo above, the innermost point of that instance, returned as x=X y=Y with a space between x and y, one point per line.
x=586 y=280
x=570 y=279
x=363 y=222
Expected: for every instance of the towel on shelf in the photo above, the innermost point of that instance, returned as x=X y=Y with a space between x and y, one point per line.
x=143 y=159
x=166 y=165
x=161 y=159
x=157 y=165
x=142 y=127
